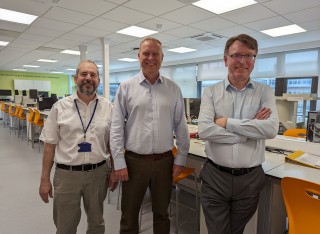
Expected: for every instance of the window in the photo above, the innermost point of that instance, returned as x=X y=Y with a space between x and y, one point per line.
x=271 y=82
x=207 y=83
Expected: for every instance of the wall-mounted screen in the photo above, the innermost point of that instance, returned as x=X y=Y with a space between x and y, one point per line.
x=5 y=92
x=33 y=93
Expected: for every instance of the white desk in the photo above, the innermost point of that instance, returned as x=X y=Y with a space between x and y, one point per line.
x=271 y=214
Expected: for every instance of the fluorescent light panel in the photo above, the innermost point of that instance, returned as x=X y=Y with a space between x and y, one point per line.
x=71 y=69
x=56 y=72
x=74 y=52
x=222 y=6
x=181 y=50
x=286 y=30
x=3 y=43
x=30 y=66
x=137 y=31
x=128 y=60
x=47 y=60
x=16 y=17
x=19 y=69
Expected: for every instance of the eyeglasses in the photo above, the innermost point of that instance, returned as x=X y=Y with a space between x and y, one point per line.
x=247 y=57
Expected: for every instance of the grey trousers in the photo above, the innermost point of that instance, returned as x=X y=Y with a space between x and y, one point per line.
x=72 y=186
x=229 y=201
x=157 y=175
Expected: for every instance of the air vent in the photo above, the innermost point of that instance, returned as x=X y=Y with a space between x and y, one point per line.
x=207 y=37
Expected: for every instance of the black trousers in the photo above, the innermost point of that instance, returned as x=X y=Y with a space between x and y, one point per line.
x=157 y=175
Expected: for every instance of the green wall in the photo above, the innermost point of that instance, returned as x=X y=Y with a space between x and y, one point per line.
x=59 y=82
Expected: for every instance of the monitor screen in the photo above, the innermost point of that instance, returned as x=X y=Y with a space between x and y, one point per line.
x=43 y=94
x=33 y=93
x=54 y=96
x=5 y=92
x=24 y=92
x=46 y=103
x=16 y=92
x=194 y=106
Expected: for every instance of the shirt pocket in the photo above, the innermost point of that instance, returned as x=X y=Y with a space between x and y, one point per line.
x=249 y=111
x=100 y=126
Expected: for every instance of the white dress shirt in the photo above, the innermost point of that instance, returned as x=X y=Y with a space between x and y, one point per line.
x=145 y=117
x=242 y=143
x=63 y=127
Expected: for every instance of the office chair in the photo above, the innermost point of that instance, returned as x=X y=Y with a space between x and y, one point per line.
x=30 y=125
x=13 y=112
x=22 y=120
x=302 y=200
x=39 y=122
x=5 y=110
x=296 y=132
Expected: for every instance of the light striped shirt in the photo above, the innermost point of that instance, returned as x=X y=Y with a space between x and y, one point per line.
x=242 y=143
x=145 y=117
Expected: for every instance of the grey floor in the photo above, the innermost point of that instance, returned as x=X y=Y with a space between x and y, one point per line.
x=23 y=212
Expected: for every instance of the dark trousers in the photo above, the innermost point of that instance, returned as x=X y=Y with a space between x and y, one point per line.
x=229 y=201
x=157 y=175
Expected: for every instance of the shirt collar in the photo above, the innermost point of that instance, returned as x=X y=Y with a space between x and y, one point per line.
x=75 y=96
x=143 y=79
x=228 y=85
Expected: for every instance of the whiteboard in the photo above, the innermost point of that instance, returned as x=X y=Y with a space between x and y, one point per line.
x=40 y=85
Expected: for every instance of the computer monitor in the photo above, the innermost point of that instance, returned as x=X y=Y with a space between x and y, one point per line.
x=54 y=96
x=5 y=92
x=46 y=103
x=24 y=92
x=33 y=93
x=16 y=92
x=43 y=94
x=194 y=106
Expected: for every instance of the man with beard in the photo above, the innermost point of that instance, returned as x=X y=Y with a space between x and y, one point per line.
x=236 y=116
x=148 y=109
x=76 y=136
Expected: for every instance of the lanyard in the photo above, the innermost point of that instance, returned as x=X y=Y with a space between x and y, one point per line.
x=94 y=110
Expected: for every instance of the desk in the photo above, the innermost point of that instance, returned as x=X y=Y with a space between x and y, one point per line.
x=271 y=214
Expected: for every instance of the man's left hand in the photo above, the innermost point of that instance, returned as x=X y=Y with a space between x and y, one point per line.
x=176 y=170
x=221 y=121
x=113 y=182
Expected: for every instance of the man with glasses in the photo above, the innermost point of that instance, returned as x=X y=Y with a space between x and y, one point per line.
x=76 y=136
x=236 y=116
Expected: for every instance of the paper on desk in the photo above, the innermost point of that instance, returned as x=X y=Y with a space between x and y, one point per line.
x=310 y=160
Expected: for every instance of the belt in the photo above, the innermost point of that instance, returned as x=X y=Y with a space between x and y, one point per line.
x=153 y=157
x=84 y=167
x=232 y=171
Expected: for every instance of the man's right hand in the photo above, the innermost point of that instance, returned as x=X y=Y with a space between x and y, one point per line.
x=122 y=174
x=45 y=191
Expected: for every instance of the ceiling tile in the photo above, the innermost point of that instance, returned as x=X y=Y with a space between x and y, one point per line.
x=54 y=24
x=184 y=32
x=68 y=16
x=213 y=24
x=105 y=24
x=288 y=6
x=154 y=7
x=92 y=7
x=304 y=15
x=249 y=14
x=181 y=15
x=269 y=23
x=126 y=15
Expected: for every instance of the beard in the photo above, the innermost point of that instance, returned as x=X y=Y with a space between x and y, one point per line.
x=88 y=90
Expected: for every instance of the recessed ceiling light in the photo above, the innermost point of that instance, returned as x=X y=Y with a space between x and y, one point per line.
x=17 y=17
x=30 y=66
x=47 y=60
x=137 y=31
x=222 y=6
x=56 y=72
x=286 y=30
x=70 y=52
x=3 y=43
x=181 y=50
x=19 y=69
x=128 y=60
x=99 y=65
x=71 y=69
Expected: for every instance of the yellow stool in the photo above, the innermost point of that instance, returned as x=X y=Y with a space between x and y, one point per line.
x=5 y=110
x=30 y=125
x=39 y=122
x=22 y=120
